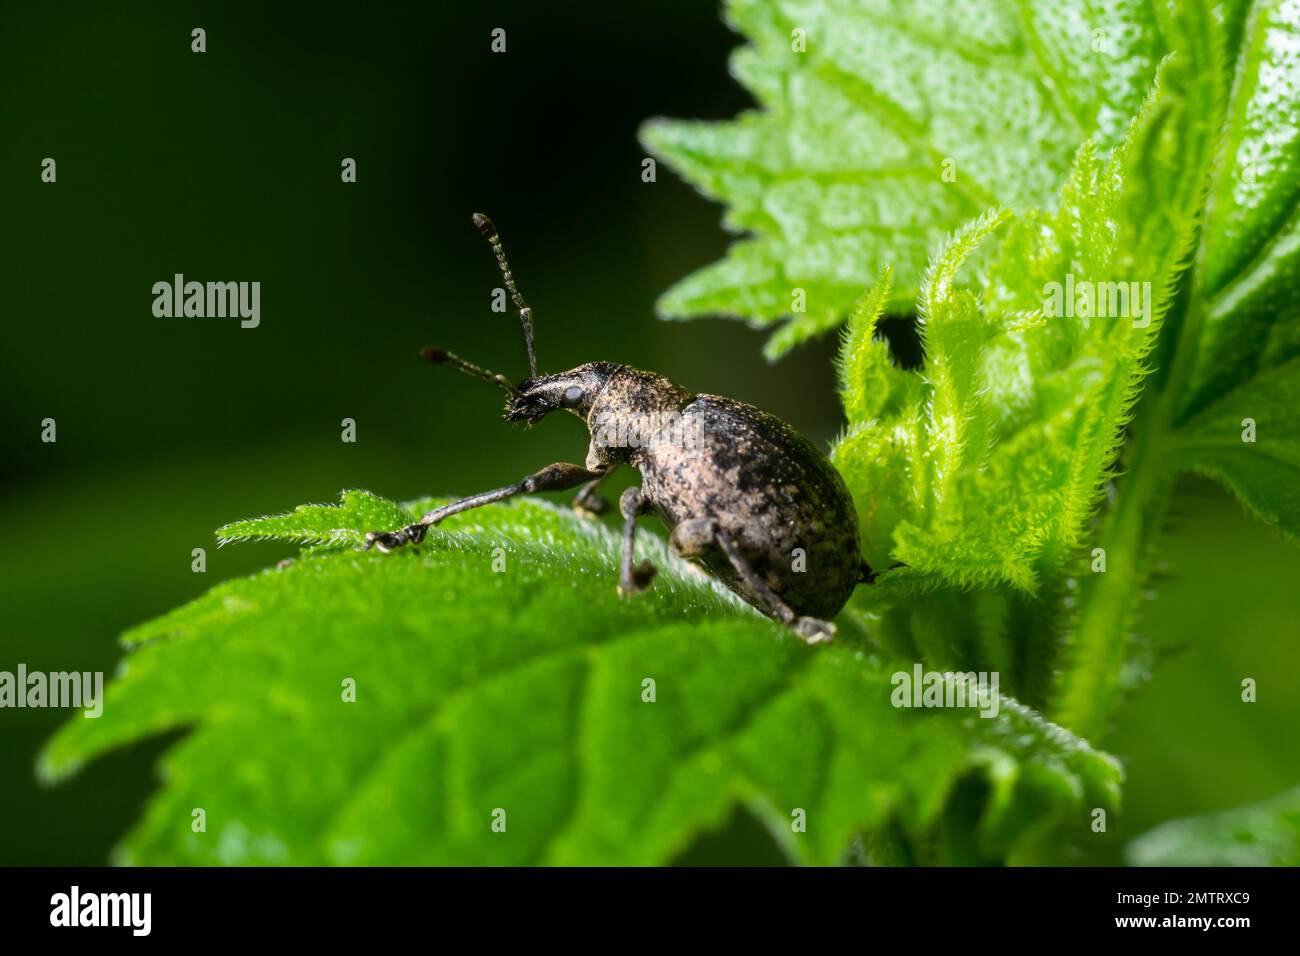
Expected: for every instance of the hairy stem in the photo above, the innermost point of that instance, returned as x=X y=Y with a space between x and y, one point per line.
x=1093 y=678
x=1108 y=600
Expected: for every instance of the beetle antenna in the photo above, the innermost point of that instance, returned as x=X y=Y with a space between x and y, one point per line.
x=525 y=314
x=442 y=357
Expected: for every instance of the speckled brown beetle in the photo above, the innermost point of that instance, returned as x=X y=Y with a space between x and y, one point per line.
x=743 y=493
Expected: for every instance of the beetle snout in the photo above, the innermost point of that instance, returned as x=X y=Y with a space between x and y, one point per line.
x=527 y=407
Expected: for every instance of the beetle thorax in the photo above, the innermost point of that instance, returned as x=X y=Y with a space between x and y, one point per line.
x=634 y=411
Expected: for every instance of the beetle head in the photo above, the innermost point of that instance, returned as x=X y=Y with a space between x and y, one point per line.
x=574 y=390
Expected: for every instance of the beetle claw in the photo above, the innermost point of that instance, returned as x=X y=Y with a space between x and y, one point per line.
x=384 y=541
x=813 y=631
x=592 y=506
x=387 y=541
x=588 y=502
x=639 y=579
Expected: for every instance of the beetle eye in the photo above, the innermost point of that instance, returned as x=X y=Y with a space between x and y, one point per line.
x=572 y=396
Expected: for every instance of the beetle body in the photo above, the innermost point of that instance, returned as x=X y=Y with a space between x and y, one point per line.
x=704 y=458
x=743 y=493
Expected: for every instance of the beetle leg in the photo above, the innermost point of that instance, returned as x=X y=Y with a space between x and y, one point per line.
x=810 y=629
x=633 y=577
x=556 y=477
x=588 y=502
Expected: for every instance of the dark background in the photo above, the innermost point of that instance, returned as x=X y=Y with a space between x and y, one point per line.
x=225 y=166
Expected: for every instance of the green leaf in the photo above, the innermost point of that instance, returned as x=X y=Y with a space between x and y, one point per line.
x=1021 y=409
x=321 y=524
x=870 y=383
x=1241 y=349
x=884 y=126
x=1249 y=266
x=1249 y=440
x=1231 y=336
x=522 y=691
x=1265 y=834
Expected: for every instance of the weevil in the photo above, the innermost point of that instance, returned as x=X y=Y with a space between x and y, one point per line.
x=742 y=493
